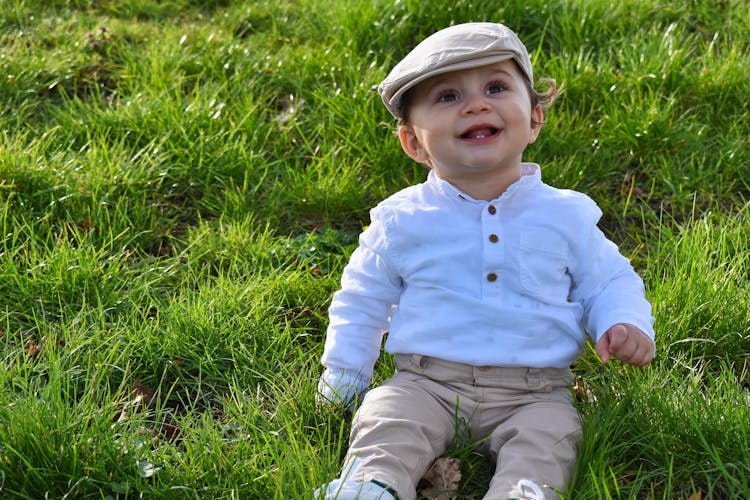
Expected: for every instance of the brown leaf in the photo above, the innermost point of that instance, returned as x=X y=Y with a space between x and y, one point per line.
x=148 y=394
x=139 y=396
x=583 y=392
x=32 y=349
x=443 y=475
x=698 y=495
x=170 y=432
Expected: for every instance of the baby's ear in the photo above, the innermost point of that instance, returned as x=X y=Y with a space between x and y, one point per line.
x=537 y=121
x=411 y=145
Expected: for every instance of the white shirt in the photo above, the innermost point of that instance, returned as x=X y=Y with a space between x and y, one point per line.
x=516 y=281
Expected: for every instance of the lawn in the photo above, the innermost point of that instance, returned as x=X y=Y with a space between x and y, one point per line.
x=182 y=181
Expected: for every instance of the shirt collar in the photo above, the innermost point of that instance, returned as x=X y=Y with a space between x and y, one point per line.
x=531 y=175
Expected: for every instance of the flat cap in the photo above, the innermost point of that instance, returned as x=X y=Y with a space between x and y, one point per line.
x=458 y=47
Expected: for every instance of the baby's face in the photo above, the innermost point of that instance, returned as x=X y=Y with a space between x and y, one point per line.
x=472 y=123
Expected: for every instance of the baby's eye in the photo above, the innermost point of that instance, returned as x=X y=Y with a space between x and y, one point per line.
x=447 y=96
x=495 y=88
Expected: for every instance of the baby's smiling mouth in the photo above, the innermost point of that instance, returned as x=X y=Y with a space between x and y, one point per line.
x=481 y=132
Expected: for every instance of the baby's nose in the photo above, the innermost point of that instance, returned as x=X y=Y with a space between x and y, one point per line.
x=476 y=103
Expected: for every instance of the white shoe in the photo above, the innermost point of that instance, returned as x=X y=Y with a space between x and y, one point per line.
x=526 y=490
x=352 y=490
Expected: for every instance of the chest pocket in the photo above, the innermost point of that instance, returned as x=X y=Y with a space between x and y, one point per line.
x=543 y=265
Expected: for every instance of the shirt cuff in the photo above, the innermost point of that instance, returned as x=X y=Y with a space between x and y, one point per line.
x=339 y=385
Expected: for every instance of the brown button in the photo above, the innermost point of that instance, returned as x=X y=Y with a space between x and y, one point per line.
x=494 y=238
x=492 y=277
x=492 y=210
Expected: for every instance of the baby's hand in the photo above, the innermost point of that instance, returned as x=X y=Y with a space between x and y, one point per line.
x=627 y=343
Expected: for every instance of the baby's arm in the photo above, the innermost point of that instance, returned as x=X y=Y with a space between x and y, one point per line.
x=617 y=313
x=359 y=314
x=626 y=343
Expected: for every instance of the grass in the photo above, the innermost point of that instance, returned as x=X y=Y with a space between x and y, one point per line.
x=181 y=183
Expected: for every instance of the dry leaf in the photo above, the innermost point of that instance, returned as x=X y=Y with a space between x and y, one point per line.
x=583 y=392
x=443 y=476
x=139 y=396
x=698 y=495
x=148 y=394
x=32 y=349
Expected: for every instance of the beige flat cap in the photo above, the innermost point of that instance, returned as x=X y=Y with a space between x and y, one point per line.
x=463 y=46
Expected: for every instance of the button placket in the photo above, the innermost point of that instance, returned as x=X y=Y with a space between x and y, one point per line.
x=492 y=252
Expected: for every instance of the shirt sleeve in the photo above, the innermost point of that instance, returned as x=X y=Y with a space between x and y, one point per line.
x=608 y=287
x=361 y=309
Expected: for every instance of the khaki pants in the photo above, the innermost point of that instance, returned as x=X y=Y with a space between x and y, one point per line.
x=523 y=417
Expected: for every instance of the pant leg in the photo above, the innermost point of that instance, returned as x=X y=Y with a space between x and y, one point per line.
x=539 y=441
x=398 y=431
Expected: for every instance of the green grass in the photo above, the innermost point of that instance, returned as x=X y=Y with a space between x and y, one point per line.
x=181 y=183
